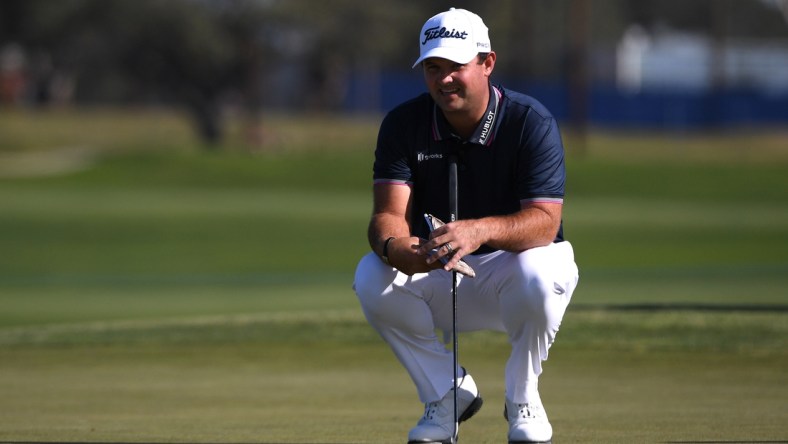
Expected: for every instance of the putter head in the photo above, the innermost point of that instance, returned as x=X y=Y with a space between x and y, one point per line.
x=462 y=267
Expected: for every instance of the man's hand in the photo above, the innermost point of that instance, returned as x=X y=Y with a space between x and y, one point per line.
x=535 y=225
x=403 y=254
x=450 y=242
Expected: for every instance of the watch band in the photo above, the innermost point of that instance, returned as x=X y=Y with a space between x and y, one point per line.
x=385 y=255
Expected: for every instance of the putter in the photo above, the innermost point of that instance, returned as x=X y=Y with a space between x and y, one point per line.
x=452 y=218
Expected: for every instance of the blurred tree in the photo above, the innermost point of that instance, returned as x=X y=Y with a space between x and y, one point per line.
x=197 y=53
x=182 y=52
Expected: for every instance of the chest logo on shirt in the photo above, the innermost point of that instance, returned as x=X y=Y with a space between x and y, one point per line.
x=421 y=157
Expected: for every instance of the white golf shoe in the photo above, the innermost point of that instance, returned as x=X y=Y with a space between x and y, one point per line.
x=528 y=423
x=437 y=424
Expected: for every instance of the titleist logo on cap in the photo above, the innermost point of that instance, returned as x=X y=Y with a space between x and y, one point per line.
x=456 y=35
x=442 y=33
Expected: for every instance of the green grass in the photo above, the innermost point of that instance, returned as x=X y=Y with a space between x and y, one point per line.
x=255 y=379
x=154 y=291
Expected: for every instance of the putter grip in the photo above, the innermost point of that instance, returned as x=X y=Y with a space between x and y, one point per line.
x=453 y=188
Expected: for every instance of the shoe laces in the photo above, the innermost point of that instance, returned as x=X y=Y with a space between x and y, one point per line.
x=529 y=411
x=430 y=409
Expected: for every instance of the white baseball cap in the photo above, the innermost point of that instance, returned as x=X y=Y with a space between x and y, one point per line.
x=457 y=35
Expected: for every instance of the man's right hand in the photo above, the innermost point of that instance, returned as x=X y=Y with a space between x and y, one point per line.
x=403 y=255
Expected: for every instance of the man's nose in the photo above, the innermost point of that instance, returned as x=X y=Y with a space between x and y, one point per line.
x=445 y=77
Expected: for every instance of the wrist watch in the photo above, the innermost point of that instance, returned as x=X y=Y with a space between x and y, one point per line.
x=385 y=255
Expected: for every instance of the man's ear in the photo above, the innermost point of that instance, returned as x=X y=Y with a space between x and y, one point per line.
x=489 y=63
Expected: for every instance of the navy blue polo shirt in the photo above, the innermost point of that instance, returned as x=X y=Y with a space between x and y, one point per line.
x=515 y=155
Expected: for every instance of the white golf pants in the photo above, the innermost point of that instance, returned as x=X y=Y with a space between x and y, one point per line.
x=523 y=294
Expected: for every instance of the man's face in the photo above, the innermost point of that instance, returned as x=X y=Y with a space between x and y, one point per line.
x=458 y=88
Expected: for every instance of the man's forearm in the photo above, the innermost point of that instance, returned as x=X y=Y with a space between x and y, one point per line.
x=528 y=228
x=383 y=226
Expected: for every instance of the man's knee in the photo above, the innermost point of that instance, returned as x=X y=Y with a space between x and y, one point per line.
x=372 y=279
x=537 y=284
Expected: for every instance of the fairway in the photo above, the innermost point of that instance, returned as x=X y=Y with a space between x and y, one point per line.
x=254 y=379
x=155 y=292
